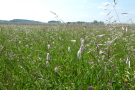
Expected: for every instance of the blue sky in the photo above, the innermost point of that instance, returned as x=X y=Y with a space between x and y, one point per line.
x=67 y=10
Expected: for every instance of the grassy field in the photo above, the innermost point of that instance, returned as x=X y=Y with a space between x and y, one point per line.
x=67 y=57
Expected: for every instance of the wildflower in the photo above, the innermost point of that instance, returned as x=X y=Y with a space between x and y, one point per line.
x=36 y=72
x=79 y=54
x=26 y=45
x=112 y=66
x=73 y=40
x=128 y=62
x=48 y=56
x=49 y=47
x=90 y=62
x=103 y=57
x=82 y=41
x=134 y=74
x=126 y=29
x=127 y=72
x=131 y=85
x=109 y=83
x=81 y=48
x=23 y=57
x=56 y=69
x=127 y=75
x=90 y=88
x=101 y=35
x=47 y=63
x=122 y=28
x=7 y=54
x=101 y=52
x=19 y=42
x=125 y=80
x=68 y=49
x=39 y=59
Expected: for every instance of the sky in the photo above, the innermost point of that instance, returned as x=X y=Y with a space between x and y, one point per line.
x=68 y=10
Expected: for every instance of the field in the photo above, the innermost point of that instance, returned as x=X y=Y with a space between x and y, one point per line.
x=67 y=57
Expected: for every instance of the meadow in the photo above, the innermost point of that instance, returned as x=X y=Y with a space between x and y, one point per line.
x=67 y=57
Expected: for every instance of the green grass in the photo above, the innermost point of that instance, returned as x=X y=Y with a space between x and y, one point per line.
x=23 y=50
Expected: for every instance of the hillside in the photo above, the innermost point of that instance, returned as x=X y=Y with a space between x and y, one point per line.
x=24 y=21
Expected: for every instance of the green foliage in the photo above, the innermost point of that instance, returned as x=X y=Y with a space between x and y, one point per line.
x=80 y=22
x=97 y=22
x=54 y=21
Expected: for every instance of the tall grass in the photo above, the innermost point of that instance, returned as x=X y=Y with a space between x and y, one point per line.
x=107 y=62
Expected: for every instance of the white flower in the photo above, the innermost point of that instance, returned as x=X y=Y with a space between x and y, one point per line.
x=49 y=47
x=26 y=45
x=122 y=28
x=82 y=41
x=20 y=42
x=73 y=40
x=103 y=57
x=56 y=69
x=79 y=54
x=101 y=35
x=48 y=56
x=101 y=52
x=68 y=49
x=128 y=62
x=126 y=29
x=47 y=63
x=81 y=48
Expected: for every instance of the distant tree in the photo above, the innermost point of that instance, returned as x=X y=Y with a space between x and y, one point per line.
x=97 y=22
x=24 y=21
x=54 y=21
x=80 y=22
x=101 y=22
